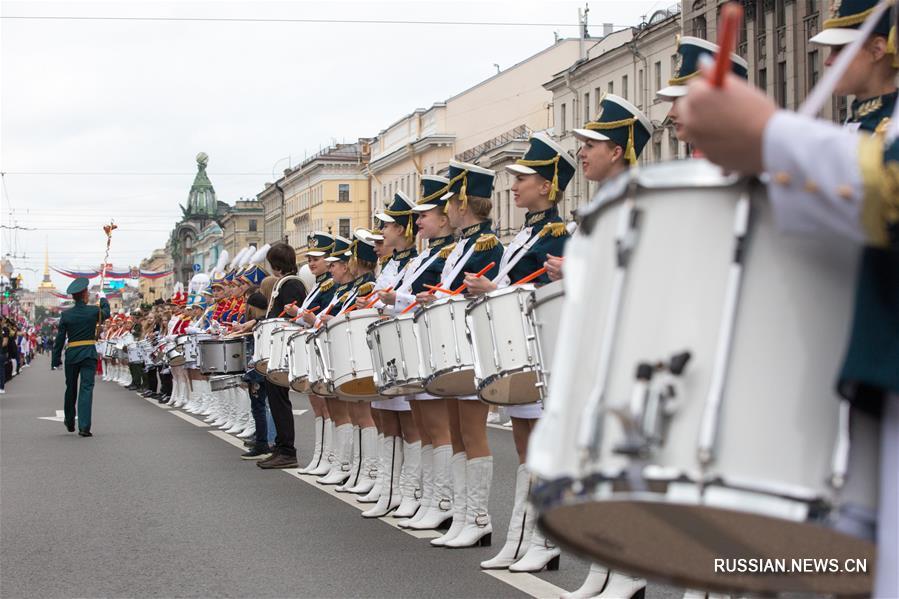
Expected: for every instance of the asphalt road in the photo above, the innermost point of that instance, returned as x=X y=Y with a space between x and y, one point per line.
x=155 y=506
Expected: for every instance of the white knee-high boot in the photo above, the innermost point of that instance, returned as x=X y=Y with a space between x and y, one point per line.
x=457 y=470
x=478 y=527
x=521 y=527
x=371 y=452
x=410 y=480
x=319 y=430
x=329 y=442
x=390 y=497
x=427 y=487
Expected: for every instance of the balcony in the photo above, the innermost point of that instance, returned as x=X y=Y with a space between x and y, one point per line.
x=811 y=25
x=521 y=132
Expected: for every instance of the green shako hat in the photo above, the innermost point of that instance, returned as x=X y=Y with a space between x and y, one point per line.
x=549 y=160
x=78 y=285
x=621 y=122
x=433 y=188
x=846 y=19
x=689 y=51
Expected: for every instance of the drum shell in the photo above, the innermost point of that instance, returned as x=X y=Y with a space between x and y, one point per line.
x=298 y=361
x=446 y=357
x=262 y=336
x=502 y=344
x=545 y=314
x=224 y=382
x=134 y=354
x=222 y=356
x=277 y=370
x=349 y=357
x=319 y=369
x=395 y=357
x=777 y=427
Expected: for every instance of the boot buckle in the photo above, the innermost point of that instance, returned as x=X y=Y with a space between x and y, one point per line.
x=444 y=505
x=481 y=520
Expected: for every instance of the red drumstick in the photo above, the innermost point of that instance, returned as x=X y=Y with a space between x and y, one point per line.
x=376 y=300
x=731 y=15
x=284 y=311
x=456 y=292
x=434 y=288
x=531 y=276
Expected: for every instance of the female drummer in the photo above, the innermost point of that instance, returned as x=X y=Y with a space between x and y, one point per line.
x=429 y=411
x=283 y=262
x=611 y=144
x=338 y=462
x=468 y=208
x=318 y=245
x=540 y=180
x=396 y=245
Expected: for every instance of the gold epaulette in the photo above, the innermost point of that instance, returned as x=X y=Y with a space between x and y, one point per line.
x=384 y=260
x=446 y=251
x=326 y=286
x=344 y=297
x=365 y=289
x=882 y=126
x=486 y=242
x=554 y=229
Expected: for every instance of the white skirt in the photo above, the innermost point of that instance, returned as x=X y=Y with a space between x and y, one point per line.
x=528 y=411
x=399 y=403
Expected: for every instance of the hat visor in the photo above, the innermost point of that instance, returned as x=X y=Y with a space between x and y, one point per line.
x=672 y=92
x=589 y=135
x=835 y=37
x=520 y=169
x=386 y=218
x=316 y=253
x=332 y=259
x=424 y=207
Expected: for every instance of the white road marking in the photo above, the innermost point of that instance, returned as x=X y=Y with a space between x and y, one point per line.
x=190 y=419
x=156 y=403
x=527 y=583
x=60 y=417
x=299 y=412
x=500 y=427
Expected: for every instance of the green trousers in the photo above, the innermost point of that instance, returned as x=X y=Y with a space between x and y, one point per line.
x=82 y=391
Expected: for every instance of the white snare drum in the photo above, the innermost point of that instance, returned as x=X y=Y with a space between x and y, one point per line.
x=299 y=360
x=134 y=354
x=502 y=343
x=109 y=350
x=101 y=348
x=447 y=365
x=319 y=366
x=262 y=337
x=349 y=358
x=739 y=450
x=277 y=371
x=174 y=354
x=394 y=353
x=545 y=314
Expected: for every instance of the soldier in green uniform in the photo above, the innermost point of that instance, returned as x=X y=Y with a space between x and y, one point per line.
x=78 y=324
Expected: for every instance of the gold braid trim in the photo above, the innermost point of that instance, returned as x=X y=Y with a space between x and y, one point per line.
x=880 y=204
x=554 y=190
x=486 y=242
x=365 y=289
x=437 y=194
x=683 y=79
x=553 y=229
x=463 y=195
x=409 y=234
x=848 y=20
x=384 y=260
x=446 y=251
x=326 y=286
x=629 y=152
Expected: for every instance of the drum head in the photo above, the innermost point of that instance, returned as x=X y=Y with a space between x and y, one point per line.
x=362 y=389
x=300 y=385
x=261 y=366
x=278 y=377
x=515 y=389
x=452 y=384
x=679 y=543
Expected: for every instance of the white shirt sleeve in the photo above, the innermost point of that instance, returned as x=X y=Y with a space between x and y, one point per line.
x=815 y=185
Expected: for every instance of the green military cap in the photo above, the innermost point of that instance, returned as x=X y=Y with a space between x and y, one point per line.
x=78 y=285
x=845 y=22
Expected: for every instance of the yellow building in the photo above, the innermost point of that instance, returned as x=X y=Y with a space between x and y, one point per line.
x=154 y=289
x=243 y=226
x=327 y=192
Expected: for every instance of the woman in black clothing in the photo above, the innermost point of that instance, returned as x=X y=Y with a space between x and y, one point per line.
x=283 y=261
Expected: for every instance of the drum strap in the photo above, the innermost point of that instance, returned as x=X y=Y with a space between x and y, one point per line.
x=311 y=297
x=459 y=265
x=516 y=258
x=411 y=276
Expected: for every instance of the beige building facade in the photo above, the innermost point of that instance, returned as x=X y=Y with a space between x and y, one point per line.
x=243 y=225
x=632 y=63
x=161 y=288
x=272 y=200
x=773 y=39
x=327 y=192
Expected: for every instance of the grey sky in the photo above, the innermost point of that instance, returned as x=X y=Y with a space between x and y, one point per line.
x=146 y=96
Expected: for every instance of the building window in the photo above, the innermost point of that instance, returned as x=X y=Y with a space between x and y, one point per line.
x=611 y=91
x=597 y=100
x=813 y=72
x=587 y=107
x=563 y=119
x=343 y=228
x=672 y=144
x=699 y=27
x=641 y=86
x=624 y=86
x=780 y=13
x=780 y=84
x=252 y=225
x=762 y=81
x=343 y=192
x=657 y=150
x=658 y=76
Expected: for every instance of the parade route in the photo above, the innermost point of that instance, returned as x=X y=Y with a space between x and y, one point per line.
x=157 y=504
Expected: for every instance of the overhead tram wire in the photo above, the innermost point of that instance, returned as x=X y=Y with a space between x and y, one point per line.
x=312 y=21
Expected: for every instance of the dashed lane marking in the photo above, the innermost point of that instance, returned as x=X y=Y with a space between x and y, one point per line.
x=191 y=419
x=527 y=583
